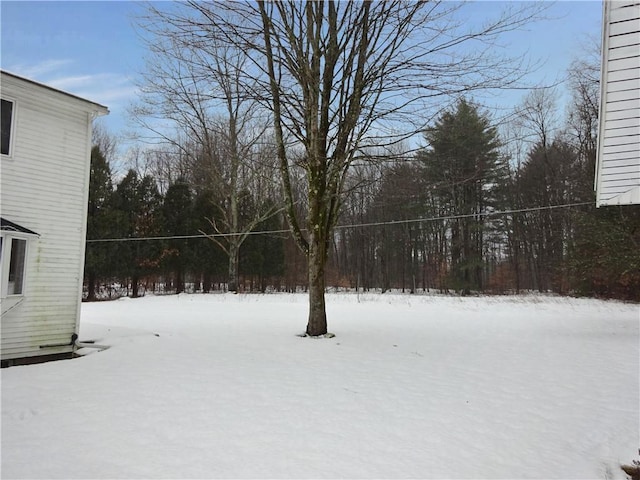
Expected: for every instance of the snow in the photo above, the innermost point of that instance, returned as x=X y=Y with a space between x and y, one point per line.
x=220 y=386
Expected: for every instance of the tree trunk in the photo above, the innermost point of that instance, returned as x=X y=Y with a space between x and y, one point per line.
x=179 y=280
x=234 y=252
x=206 y=282
x=91 y=287
x=134 y=286
x=456 y=253
x=317 y=324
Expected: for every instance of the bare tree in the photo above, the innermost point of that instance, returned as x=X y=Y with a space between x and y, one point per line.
x=353 y=66
x=338 y=77
x=584 y=81
x=196 y=87
x=108 y=143
x=538 y=116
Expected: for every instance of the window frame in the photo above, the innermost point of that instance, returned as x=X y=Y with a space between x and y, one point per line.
x=5 y=262
x=12 y=126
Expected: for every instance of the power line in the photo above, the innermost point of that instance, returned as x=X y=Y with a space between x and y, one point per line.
x=186 y=237
x=468 y=215
x=342 y=227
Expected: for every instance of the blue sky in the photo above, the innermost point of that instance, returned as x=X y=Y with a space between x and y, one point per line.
x=92 y=49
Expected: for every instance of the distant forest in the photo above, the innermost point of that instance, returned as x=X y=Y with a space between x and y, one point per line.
x=484 y=205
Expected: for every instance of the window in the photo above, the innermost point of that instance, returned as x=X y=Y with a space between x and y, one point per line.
x=16 y=266
x=14 y=254
x=6 y=112
x=13 y=257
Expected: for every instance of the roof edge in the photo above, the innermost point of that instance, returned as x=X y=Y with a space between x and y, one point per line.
x=102 y=110
x=9 y=226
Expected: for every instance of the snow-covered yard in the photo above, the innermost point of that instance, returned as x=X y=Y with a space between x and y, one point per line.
x=220 y=386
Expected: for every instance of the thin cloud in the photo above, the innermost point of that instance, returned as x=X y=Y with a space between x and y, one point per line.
x=110 y=95
x=114 y=90
x=57 y=73
x=71 y=82
x=103 y=87
x=117 y=94
x=38 y=70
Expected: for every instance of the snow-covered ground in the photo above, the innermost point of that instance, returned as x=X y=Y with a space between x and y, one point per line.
x=220 y=386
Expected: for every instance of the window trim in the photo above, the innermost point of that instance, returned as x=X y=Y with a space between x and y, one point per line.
x=5 y=262
x=12 y=127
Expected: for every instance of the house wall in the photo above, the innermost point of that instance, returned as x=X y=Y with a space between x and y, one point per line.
x=618 y=168
x=44 y=187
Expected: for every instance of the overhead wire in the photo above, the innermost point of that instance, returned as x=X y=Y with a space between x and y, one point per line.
x=347 y=226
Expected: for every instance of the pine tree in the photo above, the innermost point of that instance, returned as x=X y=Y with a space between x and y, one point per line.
x=462 y=166
x=262 y=255
x=210 y=259
x=138 y=215
x=177 y=212
x=100 y=217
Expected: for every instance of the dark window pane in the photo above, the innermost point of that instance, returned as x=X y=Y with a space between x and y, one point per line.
x=16 y=266
x=6 y=111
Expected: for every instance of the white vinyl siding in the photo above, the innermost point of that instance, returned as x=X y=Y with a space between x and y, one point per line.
x=45 y=188
x=618 y=163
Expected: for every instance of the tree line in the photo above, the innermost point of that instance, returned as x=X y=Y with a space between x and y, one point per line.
x=551 y=238
x=492 y=222
x=136 y=208
x=429 y=220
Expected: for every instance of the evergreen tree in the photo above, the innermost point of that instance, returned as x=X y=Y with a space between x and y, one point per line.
x=100 y=218
x=177 y=212
x=262 y=256
x=210 y=259
x=462 y=168
x=137 y=203
x=605 y=257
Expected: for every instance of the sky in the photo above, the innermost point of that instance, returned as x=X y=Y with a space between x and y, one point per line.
x=92 y=49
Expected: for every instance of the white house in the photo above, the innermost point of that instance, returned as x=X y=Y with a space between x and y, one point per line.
x=618 y=161
x=44 y=171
